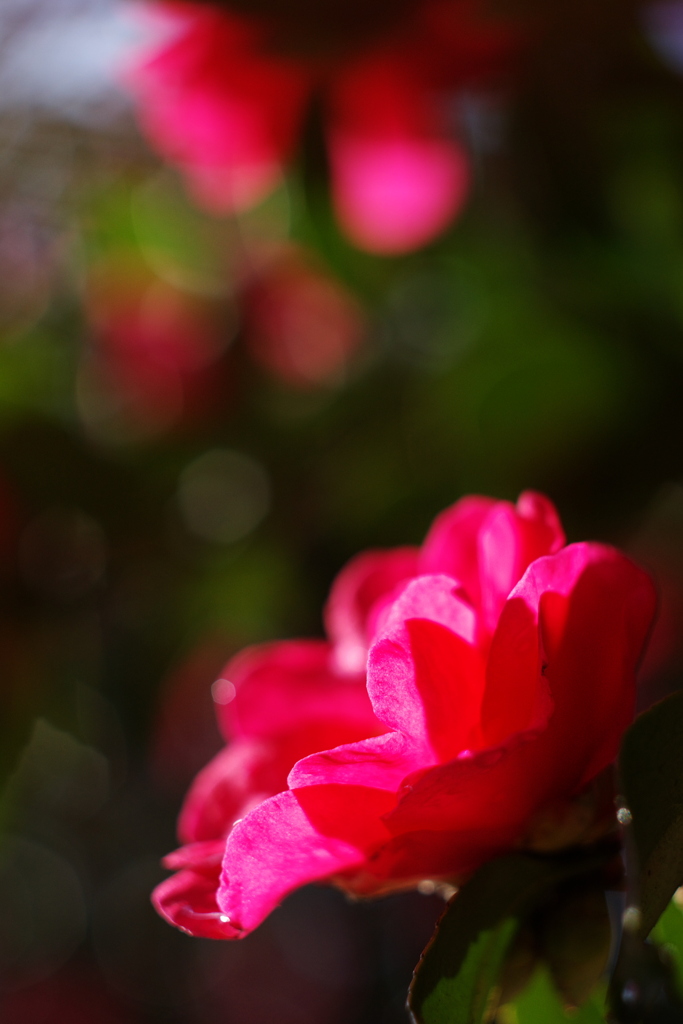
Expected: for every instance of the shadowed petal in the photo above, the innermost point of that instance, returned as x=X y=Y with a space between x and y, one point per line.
x=425 y=672
x=285 y=687
x=188 y=898
x=367 y=580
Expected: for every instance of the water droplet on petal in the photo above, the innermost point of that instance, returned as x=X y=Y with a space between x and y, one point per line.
x=224 y=919
x=624 y=816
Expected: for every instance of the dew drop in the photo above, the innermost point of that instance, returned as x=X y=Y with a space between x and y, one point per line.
x=624 y=816
x=224 y=919
x=631 y=920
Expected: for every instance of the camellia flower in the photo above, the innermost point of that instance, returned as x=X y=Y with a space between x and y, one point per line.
x=226 y=97
x=154 y=352
x=302 y=325
x=499 y=677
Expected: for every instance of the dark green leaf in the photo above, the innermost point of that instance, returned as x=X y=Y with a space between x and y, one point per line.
x=651 y=771
x=455 y=981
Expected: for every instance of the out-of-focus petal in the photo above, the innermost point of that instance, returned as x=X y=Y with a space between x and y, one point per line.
x=452 y=543
x=240 y=776
x=425 y=671
x=398 y=178
x=217 y=106
x=276 y=848
x=302 y=324
x=394 y=195
x=365 y=581
x=284 y=688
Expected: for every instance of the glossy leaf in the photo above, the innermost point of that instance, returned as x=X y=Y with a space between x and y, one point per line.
x=456 y=978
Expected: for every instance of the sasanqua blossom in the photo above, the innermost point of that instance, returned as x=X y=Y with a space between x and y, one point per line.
x=470 y=691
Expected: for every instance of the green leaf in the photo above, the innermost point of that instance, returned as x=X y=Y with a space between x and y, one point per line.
x=668 y=932
x=651 y=772
x=540 y=1004
x=455 y=980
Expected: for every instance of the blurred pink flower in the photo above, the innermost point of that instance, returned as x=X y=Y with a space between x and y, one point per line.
x=301 y=324
x=153 y=361
x=225 y=100
x=500 y=678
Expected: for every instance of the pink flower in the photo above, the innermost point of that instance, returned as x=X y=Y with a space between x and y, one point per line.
x=225 y=100
x=500 y=678
x=154 y=358
x=301 y=323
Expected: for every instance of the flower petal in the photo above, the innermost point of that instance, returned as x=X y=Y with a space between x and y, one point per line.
x=366 y=580
x=284 y=688
x=238 y=777
x=188 y=898
x=217 y=107
x=381 y=762
x=488 y=544
x=452 y=543
x=595 y=610
x=589 y=608
x=425 y=671
x=277 y=848
x=398 y=179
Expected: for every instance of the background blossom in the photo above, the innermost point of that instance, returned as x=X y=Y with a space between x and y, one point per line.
x=225 y=100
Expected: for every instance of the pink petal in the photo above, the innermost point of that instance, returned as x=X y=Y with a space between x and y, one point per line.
x=277 y=848
x=398 y=179
x=284 y=688
x=214 y=104
x=381 y=762
x=425 y=671
x=285 y=705
x=595 y=610
x=452 y=544
x=487 y=545
x=510 y=539
x=188 y=898
x=588 y=610
x=365 y=581
x=394 y=195
x=238 y=777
